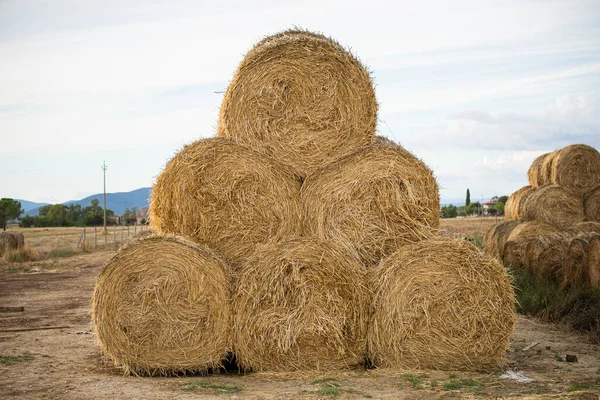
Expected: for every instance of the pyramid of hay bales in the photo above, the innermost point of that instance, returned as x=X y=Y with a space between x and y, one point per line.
x=297 y=239
x=552 y=226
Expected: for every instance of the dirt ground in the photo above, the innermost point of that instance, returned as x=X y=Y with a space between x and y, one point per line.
x=66 y=363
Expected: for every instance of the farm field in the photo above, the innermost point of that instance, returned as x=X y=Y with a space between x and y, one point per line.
x=65 y=361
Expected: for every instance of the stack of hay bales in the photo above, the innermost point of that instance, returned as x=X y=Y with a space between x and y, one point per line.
x=552 y=225
x=11 y=241
x=316 y=241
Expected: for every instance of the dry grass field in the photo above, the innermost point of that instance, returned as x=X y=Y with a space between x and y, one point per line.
x=49 y=349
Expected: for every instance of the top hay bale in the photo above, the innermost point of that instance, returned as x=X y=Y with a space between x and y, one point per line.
x=535 y=172
x=514 y=205
x=442 y=304
x=302 y=98
x=227 y=196
x=372 y=201
x=577 y=169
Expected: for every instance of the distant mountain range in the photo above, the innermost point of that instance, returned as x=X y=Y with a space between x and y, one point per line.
x=117 y=202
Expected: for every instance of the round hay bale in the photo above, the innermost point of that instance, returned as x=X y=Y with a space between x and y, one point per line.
x=577 y=169
x=576 y=270
x=546 y=169
x=301 y=98
x=549 y=255
x=534 y=174
x=300 y=304
x=591 y=206
x=594 y=261
x=555 y=206
x=11 y=241
x=493 y=242
x=516 y=250
x=373 y=201
x=440 y=304
x=514 y=205
x=226 y=196
x=162 y=305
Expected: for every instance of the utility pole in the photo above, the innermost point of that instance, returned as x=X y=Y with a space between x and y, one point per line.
x=104 y=169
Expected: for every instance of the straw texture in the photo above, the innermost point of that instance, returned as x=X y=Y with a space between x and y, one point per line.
x=301 y=304
x=440 y=304
x=372 y=201
x=162 y=305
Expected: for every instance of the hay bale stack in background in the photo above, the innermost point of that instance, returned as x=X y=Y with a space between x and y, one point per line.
x=555 y=206
x=514 y=205
x=162 y=305
x=534 y=174
x=440 y=304
x=373 y=201
x=594 y=261
x=301 y=98
x=227 y=196
x=523 y=236
x=11 y=241
x=493 y=242
x=300 y=304
x=549 y=255
x=577 y=169
x=591 y=205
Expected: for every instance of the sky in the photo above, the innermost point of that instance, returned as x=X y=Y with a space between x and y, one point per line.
x=475 y=89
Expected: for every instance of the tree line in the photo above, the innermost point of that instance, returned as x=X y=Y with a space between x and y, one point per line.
x=71 y=215
x=475 y=208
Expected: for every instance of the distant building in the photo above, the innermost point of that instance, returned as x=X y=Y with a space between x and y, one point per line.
x=489 y=204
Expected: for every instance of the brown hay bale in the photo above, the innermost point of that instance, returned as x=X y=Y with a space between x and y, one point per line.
x=594 y=261
x=300 y=304
x=577 y=169
x=227 y=196
x=516 y=250
x=588 y=226
x=11 y=241
x=162 y=305
x=555 y=206
x=550 y=255
x=493 y=242
x=546 y=168
x=591 y=206
x=301 y=98
x=373 y=201
x=514 y=205
x=577 y=271
x=440 y=304
x=535 y=172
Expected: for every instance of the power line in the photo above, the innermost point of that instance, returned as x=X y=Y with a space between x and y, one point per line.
x=104 y=167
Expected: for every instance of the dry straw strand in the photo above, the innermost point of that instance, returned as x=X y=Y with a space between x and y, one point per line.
x=555 y=206
x=162 y=305
x=301 y=98
x=300 y=304
x=588 y=226
x=591 y=206
x=514 y=205
x=535 y=171
x=577 y=169
x=440 y=304
x=594 y=261
x=372 y=201
x=496 y=236
x=226 y=196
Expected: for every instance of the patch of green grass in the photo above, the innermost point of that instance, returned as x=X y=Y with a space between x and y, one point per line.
x=217 y=389
x=558 y=358
x=455 y=384
x=328 y=390
x=433 y=383
x=452 y=376
x=539 y=351
x=414 y=380
x=9 y=360
x=61 y=253
x=575 y=386
x=475 y=238
x=363 y=394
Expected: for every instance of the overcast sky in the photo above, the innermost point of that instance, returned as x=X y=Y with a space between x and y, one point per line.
x=476 y=89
